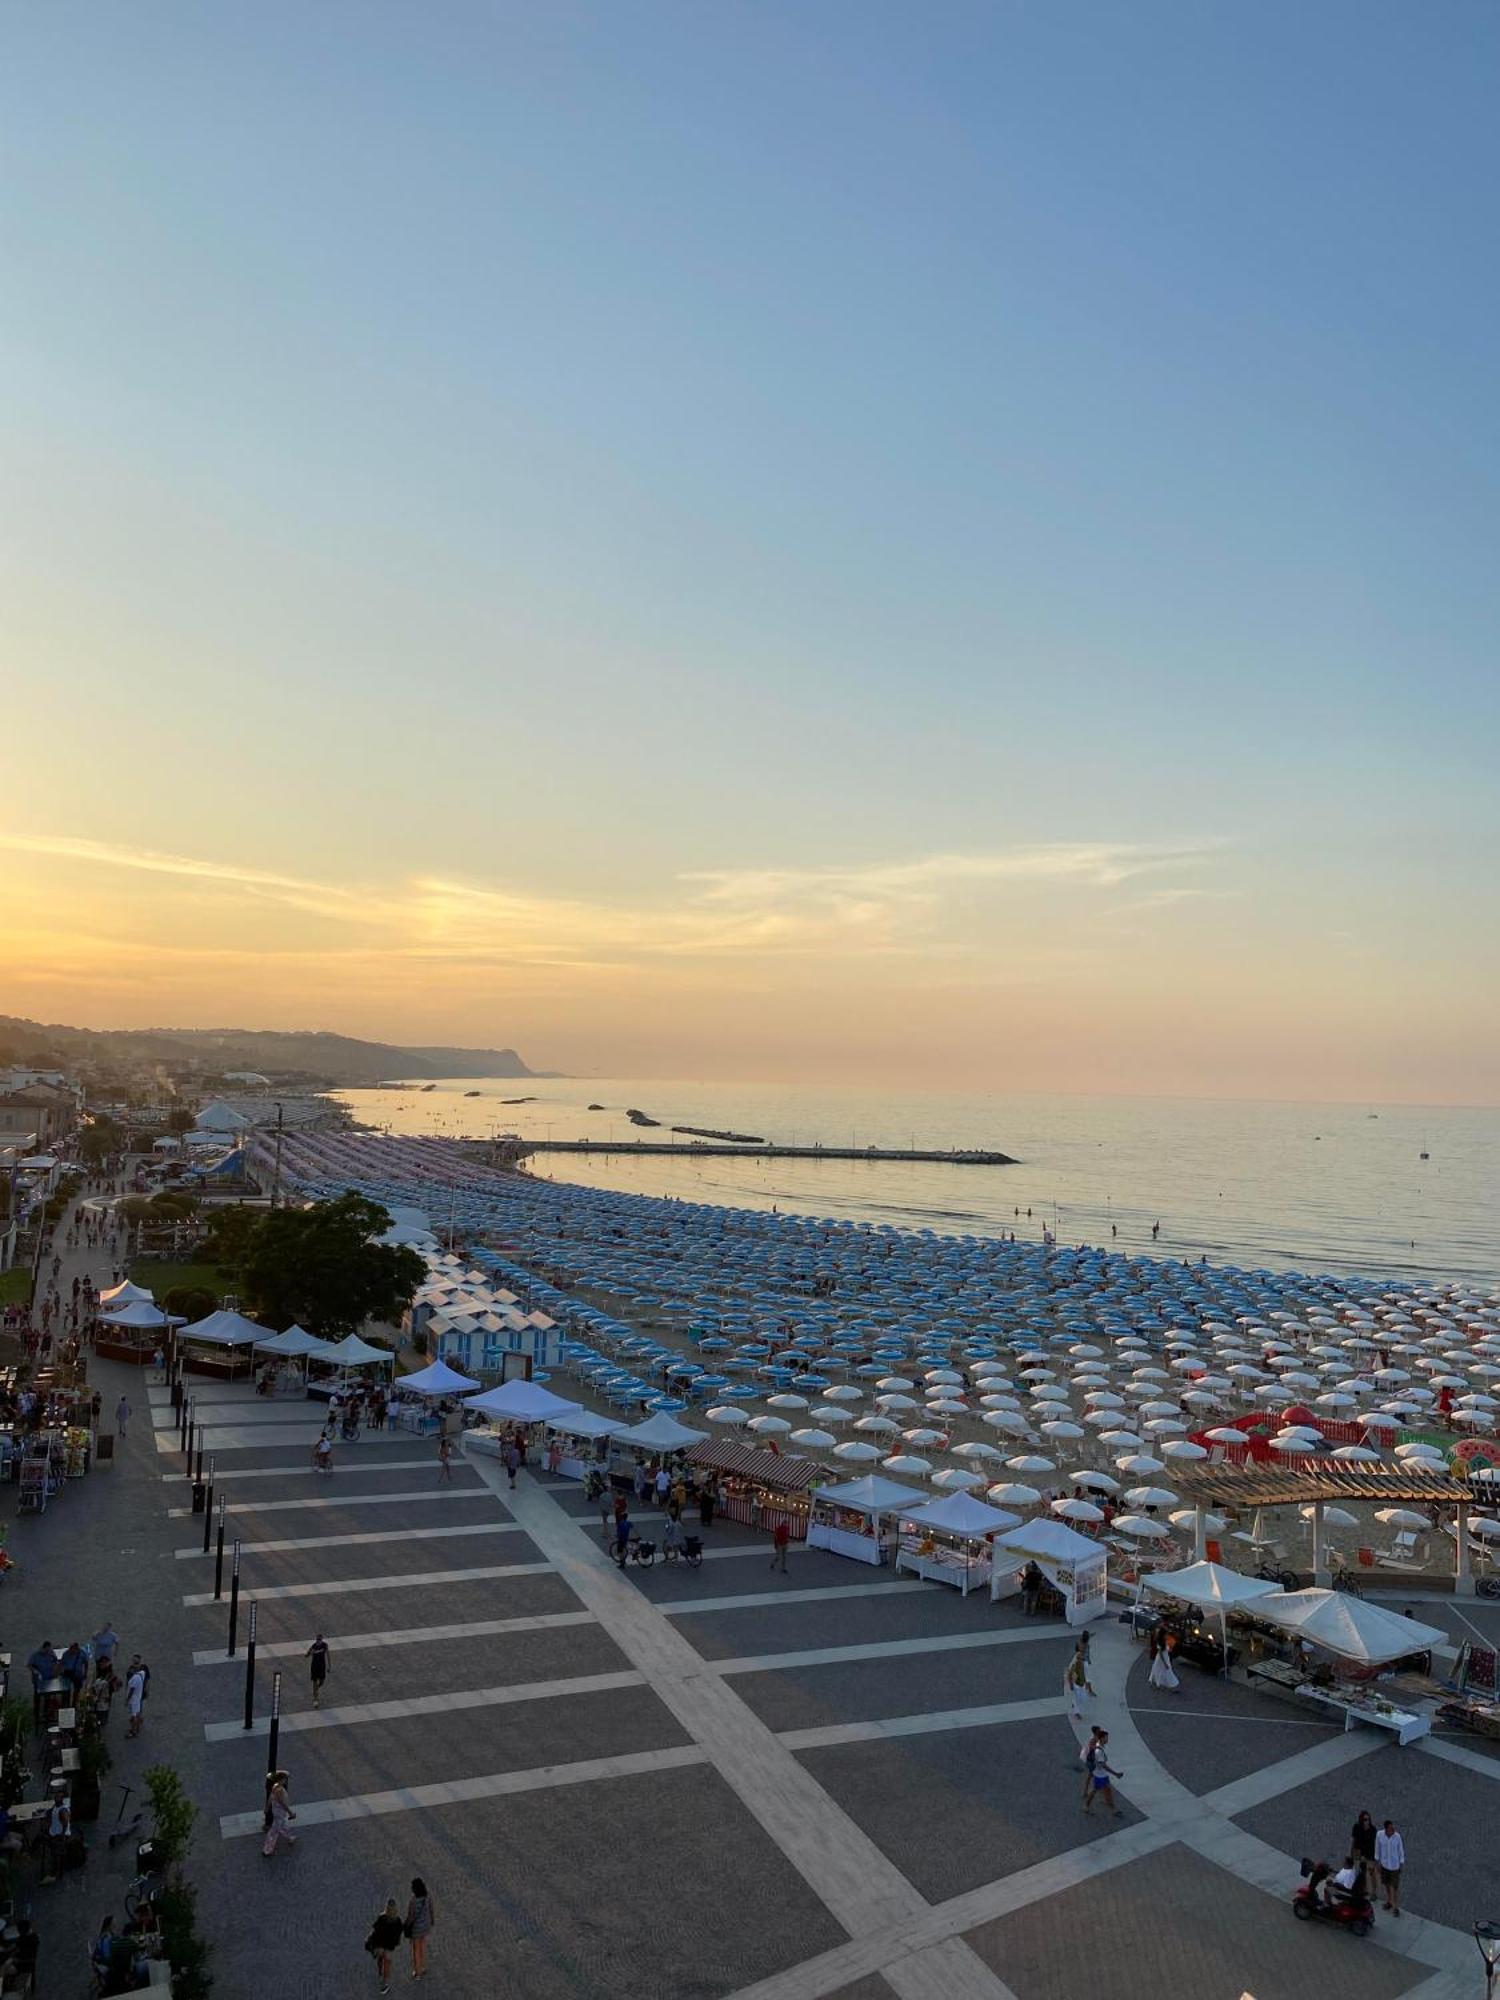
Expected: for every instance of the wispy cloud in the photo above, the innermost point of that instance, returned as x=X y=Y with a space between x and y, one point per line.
x=945 y=906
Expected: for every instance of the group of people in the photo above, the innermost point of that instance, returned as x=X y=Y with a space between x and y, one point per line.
x=390 y=1927
x=89 y=1666
x=1376 y=1857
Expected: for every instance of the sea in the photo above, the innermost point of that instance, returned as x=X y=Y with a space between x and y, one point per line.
x=1369 y=1189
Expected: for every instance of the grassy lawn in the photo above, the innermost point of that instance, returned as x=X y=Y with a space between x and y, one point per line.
x=160 y=1278
x=15 y=1286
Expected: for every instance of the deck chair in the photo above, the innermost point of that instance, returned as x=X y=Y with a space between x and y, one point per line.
x=1403 y=1552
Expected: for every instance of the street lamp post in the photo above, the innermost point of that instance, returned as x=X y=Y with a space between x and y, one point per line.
x=1487 y=1937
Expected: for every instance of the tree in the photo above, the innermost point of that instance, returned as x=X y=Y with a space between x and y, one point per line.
x=228 y=1239
x=319 y=1267
x=180 y=1120
x=98 y=1140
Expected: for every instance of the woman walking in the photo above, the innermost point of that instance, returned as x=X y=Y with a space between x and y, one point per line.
x=420 y=1918
x=1079 y=1687
x=385 y=1937
x=1163 y=1674
x=279 y=1813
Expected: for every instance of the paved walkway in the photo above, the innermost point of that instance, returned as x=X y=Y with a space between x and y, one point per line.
x=703 y=1783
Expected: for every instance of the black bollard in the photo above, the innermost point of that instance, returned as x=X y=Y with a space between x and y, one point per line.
x=188 y=1462
x=234 y=1600
x=208 y=1507
x=250 y=1669
x=219 y=1556
x=275 y=1743
x=198 y=1466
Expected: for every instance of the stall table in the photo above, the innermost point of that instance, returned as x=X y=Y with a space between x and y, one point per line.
x=1353 y=1705
x=944 y=1566
x=851 y=1542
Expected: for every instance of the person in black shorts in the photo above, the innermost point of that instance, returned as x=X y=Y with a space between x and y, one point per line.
x=317 y=1665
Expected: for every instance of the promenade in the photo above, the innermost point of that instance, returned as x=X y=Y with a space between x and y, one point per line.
x=700 y=1783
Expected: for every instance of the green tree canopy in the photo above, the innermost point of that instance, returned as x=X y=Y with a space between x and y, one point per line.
x=99 y=1139
x=229 y=1232
x=319 y=1267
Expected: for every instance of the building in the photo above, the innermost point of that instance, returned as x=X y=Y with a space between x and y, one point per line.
x=43 y=1110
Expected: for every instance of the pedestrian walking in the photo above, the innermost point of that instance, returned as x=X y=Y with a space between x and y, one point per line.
x=280 y=1812
x=445 y=1461
x=159 y=1363
x=1390 y=1857
x=385 y=1937
x=317 y=1665
x=420 y=1918
x=1362 y=1846
x=43 y=1664
x=59 y=1827
x=512 y=1461
x=122 y=1414
x=622 y=1537
x=1163 y=1674
x=135 y=1697
x=1097 y=1739
x=1079 y=1687
x=781 y=1536
x=323 y=1456
x=1100 y=1777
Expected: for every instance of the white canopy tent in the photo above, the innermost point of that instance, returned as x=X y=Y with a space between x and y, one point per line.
x=947 y=1541
x=125 y=1294
x=140 y=1313
x=1209 y=1586
x=659 y=1433
x=352 y=1352
x=872 y=1499
x=1078 y=1567
x=576 y=1440
x=1349 y=1626
x=295 y=1343
x=436 y=1380
x=522 y=1402
x=224 y=1329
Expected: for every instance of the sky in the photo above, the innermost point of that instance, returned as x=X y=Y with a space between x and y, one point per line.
x=850 y=542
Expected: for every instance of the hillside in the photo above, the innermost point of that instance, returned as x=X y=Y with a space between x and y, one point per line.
x=312 y=1054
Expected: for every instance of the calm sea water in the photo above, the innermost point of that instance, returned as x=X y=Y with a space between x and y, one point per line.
x=1283 y=1186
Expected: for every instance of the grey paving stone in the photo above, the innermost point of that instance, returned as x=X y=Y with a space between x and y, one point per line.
x=1448 y=1819
x=963 y=1807
x=377 y=1757
x=898 y=1614
x=872 y=1988
x=1216 y=1730
x=910 y=1684
x=1173 y=1922
x=385 y=1610
x=633 y=1889
x=401 y=1672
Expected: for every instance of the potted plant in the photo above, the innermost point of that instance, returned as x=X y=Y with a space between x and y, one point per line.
x=94 y=1760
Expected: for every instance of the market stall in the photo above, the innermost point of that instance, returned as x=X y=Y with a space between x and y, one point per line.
x=858 y=1519
x=342 y=1361
x=216 y=1344
x=518 y=1401
x=285 y=1349
x=948 y=1541
x=1075 y=1566
x=1194 y=1606
x=579 y=1443
x=132 y=1332
x=756 y=1486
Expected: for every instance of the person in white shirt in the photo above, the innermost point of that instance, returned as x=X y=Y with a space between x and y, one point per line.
x=1390 y=1859
x=1344 y=1886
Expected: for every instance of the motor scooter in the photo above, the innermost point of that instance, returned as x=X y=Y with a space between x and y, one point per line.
x=1353 y=1912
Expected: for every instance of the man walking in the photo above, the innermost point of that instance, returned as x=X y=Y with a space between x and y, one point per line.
x=781 y=1536
x=135 y=1696
x=445 y=1461
x=1101 y=1774
x=1390 y=1859
x=122 y=1414
x=512 y=1461
x=317 y=1665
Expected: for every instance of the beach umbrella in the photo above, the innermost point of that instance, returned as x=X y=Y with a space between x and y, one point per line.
x=957 y=1479
x=1011 y=1493
x=1140 y=1462
x=1098 y=1482
x=1487 y=1529
x=1077 y=1510
x=843 y=1392
x=1187 y=1518
x=1356 y=1454
x=905 y=1462
x=977 y=1452
x=812 y=1440
x=1059 y=1428
x=1333 y=1517
x=1149 y=1496
x=877 y=1426
x=854 y=1453
x=786 y=1402
x=1403 y=1517
x=1029 y=1462
x=923 y=1437
x=1183 y=1450
x=770 y=1426
x=727 y=1413
x=1142 y=1527
x=897 y=1382
x=897 y=1403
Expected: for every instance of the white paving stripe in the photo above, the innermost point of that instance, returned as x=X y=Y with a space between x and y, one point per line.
x=426 y=1704
x=421 y=1635
x=461 y=1791
x=355 y=1541
x=307 y=1471
x=1256 y=1787
x=1461 y=1754
x=344 y=1586
x=684 y=1607
x=412 y=1497
x=883 y=1649
x=922 y=1725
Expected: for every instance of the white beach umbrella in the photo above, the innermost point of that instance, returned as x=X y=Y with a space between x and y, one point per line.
x=786 y=1402
x=978 y=1453
x=897 y=1382
x=1011 y=1493
x=908 y=1463
x=770 y=1426
x=1356 y=1454
x=877 y=1427
x=1403 y=1517
x=854 y=1453
x=1142 y=1527
x=1140 y=1462
x=1187 y=1518
x=923 y=1437
x=1333 y=1517
x=1183 y=1450
x=728 y=1414
x=1077 y=1510
x=957 y=1479
x=1030 y=1462
x=1059 y=1428
x=812 y=1440
x=1149 y=1496
x=843 y=1392
x=1097 y=1482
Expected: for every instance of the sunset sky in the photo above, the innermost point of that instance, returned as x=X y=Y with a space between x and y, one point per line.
x=952 y=545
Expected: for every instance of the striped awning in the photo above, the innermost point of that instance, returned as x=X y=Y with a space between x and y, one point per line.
x=765 y=1468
